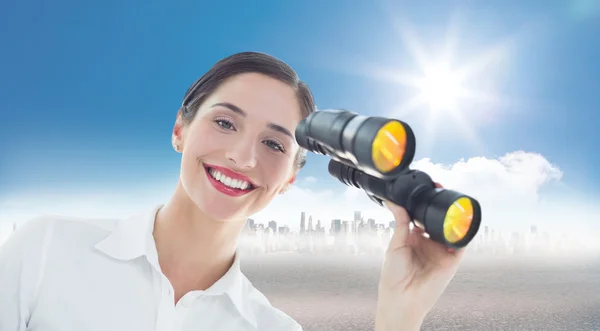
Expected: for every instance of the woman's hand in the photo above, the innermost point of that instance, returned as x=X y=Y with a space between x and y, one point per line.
x=415 y=273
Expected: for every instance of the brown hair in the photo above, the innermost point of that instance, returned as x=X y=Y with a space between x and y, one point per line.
x=247 y=62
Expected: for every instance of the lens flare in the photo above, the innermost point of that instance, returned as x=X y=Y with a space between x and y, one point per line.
x=458 y=220
x=389 y=146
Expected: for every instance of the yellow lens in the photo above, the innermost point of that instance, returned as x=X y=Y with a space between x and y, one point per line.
x=389 y=146
x=458 y=220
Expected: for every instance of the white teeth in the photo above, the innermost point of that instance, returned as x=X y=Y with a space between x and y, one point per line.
x=233 y=183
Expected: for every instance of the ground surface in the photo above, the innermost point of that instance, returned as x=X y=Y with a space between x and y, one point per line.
x=496 y=293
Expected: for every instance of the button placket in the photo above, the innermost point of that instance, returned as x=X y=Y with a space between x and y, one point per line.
x=166 y=310
x=182 y=308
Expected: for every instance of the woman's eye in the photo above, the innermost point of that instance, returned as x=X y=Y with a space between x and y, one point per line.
x=225 y=124
x=274 y=145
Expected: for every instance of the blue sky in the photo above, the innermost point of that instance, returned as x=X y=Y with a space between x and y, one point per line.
x=90 y=91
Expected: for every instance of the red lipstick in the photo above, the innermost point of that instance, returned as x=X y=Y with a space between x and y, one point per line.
x=234 y=192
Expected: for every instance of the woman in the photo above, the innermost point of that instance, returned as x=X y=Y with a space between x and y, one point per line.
x=175 y=267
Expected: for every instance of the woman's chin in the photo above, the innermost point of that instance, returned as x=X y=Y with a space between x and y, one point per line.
x=222 y=213
x=224 y=209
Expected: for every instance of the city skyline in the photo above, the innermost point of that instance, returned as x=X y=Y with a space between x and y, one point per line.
x=360 y=237
x=357 y=227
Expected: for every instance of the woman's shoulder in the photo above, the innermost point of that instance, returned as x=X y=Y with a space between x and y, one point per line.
x=41 y=231
x=69 y=224
x=43 y=240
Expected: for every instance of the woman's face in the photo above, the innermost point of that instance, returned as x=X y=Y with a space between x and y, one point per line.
x=239 y=151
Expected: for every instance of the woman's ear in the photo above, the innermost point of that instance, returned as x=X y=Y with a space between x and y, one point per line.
x=288 y=185
x=177 y=136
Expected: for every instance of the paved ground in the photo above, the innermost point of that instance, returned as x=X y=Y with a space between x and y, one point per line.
x=339 y=294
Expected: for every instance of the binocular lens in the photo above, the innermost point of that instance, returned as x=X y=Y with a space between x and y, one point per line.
x=389 y=146
x=458 y=220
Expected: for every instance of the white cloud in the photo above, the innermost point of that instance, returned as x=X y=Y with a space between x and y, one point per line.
x=508 y=188
x=310 y=180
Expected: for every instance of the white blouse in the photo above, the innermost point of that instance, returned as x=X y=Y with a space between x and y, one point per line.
x=73 y=274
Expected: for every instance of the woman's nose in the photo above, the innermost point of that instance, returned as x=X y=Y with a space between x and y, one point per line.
x=243 y=153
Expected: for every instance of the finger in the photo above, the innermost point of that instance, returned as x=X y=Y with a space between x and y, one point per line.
x=417 y=235
x=437 y=253
x=438 y=185
x=401 y=232
x=418 y=229
x=414 y=236
x=457 y=252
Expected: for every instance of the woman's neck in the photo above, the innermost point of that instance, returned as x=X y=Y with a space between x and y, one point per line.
x=194 y=251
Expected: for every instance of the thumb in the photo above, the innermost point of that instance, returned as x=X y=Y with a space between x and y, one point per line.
x=400 y=238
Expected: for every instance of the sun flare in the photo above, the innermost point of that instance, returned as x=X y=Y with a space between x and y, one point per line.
x=443 y=88
x=440 y=88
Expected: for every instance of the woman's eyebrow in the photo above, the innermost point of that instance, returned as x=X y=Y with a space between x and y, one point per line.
x=238 y=110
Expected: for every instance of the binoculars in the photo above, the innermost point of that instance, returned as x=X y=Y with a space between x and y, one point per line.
x=374 y=154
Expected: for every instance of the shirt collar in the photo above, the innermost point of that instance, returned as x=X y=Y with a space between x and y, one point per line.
x=132 y=238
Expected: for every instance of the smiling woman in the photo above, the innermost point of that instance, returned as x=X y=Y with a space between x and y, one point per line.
x=175 y=266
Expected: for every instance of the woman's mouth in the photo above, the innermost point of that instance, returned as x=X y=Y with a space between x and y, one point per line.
x=228 y=184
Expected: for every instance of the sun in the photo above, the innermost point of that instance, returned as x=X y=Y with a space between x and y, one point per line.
x=441 y=97
x=440 y=88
